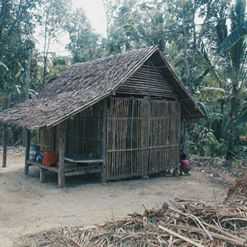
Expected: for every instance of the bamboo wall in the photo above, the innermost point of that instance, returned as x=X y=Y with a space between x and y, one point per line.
x=142 y=137
x=84 y=134
x=164 y=136
x=127 y=142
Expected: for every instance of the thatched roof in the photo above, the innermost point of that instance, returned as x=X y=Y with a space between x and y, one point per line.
x=81 y=86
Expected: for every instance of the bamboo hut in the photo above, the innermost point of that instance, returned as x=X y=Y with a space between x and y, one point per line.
x=119 y=116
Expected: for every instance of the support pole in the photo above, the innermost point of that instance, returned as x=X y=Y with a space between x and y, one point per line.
x=61 y=149
x=27 y=152
x=104 y=141
x=42 y=175
x=5 y=143
x=147 y=112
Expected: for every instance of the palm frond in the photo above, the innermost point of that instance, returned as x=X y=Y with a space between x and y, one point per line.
x=233 y=38
x=205 y=54
x=243 y=69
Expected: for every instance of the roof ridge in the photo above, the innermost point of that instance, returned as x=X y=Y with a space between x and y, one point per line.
x=100 y=59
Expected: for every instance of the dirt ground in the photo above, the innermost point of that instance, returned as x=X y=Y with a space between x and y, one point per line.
x=26 y=206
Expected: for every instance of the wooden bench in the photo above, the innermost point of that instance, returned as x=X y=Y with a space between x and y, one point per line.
x=71 y=167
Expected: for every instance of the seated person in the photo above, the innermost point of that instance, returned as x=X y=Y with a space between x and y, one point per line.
x=185 y=165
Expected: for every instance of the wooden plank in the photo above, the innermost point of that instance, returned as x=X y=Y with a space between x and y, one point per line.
x=125 y=176
x=39 y=165
x=27 y=150
x=86 y=161
x=144 y=148
x=49 y=168
x=61 y=150
x=85 y=171
x=5 y=144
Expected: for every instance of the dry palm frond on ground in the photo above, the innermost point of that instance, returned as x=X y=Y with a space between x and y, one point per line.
x=183 y=223
x=238 y=189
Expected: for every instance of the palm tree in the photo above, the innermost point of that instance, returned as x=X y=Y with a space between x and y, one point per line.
x=234 y=49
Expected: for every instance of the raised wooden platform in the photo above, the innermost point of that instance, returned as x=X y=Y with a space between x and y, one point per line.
x=71 y=167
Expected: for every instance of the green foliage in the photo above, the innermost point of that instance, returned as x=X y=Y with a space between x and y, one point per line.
x=54 y=17
x=231 y=40
x=57 y=66
x=84 y=44
x=206 y=143
x=17 y=22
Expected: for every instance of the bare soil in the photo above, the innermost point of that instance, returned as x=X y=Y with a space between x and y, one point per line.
x=27 y=206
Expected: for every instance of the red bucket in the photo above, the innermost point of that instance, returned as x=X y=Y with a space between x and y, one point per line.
x=50 y=158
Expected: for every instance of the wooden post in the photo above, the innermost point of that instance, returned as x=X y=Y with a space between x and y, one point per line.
x=61 y=149
x=42 y=175
x=104 y=141
x=27 y=152
x=147 y=112
x=5 y=134
x=5 y=143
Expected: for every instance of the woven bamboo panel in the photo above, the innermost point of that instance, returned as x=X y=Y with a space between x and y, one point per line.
x=127 y=143
x=142 y=137
x=164 y=136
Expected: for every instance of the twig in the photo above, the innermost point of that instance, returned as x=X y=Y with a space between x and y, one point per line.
x=230 y=239
x=175 y=234
x=224 y=232
x=196 y=219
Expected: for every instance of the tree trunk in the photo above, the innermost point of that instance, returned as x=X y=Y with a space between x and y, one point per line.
x=232 y=133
